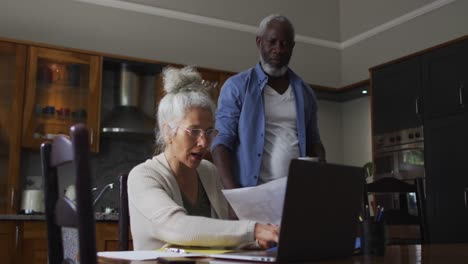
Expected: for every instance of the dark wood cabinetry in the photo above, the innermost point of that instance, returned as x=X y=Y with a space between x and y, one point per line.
x=396 y=96
x=9 y=241
x=444 y=77
x=26 y=241
x=447 y=178
x=429 y=88
x=23 y=242
x=445 y=80
x=12 y=71
x=63 y=88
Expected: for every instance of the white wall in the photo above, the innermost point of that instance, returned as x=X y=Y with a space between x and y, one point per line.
x=330 y=122
x=439 y=26
x=317 y=18
x=358 y=16
x=91 y=27
x=356 y=133
x=345 y=130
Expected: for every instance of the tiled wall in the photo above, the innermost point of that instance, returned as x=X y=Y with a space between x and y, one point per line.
x=116 y=156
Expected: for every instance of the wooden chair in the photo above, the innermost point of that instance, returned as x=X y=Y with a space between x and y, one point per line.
x=61 y=211
x=401 y=216
x=124 y=216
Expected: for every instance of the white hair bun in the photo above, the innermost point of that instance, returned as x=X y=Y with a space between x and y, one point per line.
x=180 y=80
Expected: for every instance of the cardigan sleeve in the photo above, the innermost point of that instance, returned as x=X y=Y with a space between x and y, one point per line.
x=151 y=193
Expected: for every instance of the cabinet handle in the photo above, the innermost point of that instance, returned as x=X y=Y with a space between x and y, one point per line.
x=460 y=94
x=17 y=231
x=91 y=130
x=466 y=198
x=416 y=103
x=12 y=198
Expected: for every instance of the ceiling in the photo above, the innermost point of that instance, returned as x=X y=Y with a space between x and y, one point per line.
x=331 y=21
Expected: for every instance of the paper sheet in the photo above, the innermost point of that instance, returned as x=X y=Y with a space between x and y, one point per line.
x=142 y=254
x=263 y=203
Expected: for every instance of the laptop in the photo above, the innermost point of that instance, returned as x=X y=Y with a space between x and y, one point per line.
x=320 y=214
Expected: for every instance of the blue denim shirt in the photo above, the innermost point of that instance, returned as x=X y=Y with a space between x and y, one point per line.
x=240 y=120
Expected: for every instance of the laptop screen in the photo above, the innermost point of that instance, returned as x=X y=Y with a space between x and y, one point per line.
x=321 y=209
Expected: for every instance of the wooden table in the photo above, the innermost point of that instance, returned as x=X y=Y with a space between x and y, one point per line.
x=397 y=254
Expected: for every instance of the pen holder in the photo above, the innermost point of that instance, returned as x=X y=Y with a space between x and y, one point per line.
x=373 y=238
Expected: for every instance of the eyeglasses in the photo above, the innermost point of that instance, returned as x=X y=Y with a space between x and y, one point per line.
x=196 y=133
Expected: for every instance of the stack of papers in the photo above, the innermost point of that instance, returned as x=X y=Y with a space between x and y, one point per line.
x=143 y=254
x=166 y=251
x=263 y=203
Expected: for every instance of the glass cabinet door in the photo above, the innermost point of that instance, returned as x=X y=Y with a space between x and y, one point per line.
x=62 y=90
x=12 y=70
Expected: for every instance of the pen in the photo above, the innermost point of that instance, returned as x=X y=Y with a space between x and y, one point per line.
x=379 y=217
x=367 y=213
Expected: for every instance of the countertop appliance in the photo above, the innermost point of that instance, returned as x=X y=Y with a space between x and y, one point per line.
x=32 y=202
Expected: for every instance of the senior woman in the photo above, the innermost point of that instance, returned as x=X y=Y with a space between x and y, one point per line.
x=175 y=197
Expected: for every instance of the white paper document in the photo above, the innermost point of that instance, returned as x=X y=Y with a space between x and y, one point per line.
x=263 y=203
x=142 y=254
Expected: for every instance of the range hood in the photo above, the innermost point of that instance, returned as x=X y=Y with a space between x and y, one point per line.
x=126 y=119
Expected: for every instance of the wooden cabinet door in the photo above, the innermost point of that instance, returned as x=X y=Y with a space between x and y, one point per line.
x=34 y=242
x=12 y=72
x=9 y=241
x=215 y=80
x=63 y=88
x=446 y=163
x=396 y=90
x=107 y=236
x=445 y=80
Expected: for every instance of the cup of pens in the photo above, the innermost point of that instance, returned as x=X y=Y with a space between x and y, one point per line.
x=373 y=234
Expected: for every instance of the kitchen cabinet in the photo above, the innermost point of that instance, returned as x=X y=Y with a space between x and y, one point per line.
x=396 y=96
x=33 y=243
x=62 y=88
x=429 y=89
x=23 y=242
x=445 y=80
x=9 y=239
x=12 y=71
x=215 y=80
x=26 y=241
x=447 y=178
x=107 y=236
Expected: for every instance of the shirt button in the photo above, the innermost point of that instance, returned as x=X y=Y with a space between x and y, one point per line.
x=258 y=154
x=255 y=176
x=261 y=135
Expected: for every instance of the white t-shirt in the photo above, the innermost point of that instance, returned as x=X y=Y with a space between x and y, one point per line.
x=281 y=143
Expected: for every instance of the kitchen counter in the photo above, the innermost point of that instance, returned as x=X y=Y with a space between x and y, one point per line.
x=41 y=217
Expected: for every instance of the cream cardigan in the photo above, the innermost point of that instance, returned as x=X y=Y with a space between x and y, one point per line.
x=157 y=214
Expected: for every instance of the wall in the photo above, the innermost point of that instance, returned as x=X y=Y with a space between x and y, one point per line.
x=92 y=27
x=358 y=16
x=430 y=29
x=330 y=124
x=356 y=133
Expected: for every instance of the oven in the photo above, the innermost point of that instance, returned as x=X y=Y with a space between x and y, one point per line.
x=399 y=154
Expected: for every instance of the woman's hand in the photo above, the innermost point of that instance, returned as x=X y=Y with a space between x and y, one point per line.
x=266 y=235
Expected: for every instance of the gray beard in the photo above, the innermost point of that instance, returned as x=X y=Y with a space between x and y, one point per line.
x=272 y=71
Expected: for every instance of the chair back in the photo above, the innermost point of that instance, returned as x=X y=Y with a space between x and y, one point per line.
x=124 y=216
x=60 y=210
x=401 y=216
